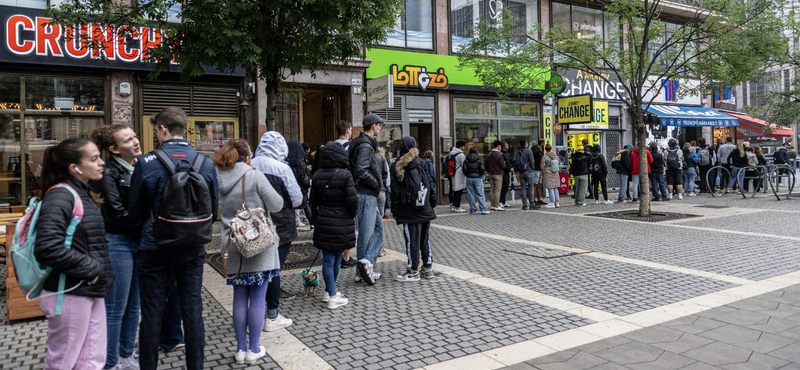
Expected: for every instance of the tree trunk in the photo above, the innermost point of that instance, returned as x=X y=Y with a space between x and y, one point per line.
x=644 y=179
x=272 y=96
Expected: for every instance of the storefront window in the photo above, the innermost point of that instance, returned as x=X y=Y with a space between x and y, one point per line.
x=35 y=4
x=465 y=15
x=480 y=127
x=9 y=92
x=11 y=179
x=210 y=135
x=48 y=93
x=414 y=29
x=584 y=23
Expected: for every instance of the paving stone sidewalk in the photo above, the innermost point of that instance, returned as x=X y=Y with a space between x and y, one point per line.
x=762 y=332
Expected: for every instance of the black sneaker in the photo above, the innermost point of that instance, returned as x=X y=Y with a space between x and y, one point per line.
x=539 y=202
x=349 y=263
x=535 y=207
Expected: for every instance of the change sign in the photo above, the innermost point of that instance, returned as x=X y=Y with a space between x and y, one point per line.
x=575 y=109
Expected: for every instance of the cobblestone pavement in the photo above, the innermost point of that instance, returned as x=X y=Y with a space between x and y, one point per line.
x=548 y=289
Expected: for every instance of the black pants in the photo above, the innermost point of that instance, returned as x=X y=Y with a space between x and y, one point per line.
x=703 y=173
x=449 y=191
x=155 y=268
x=456 y=198
x=417 y=241
x=593 y=192
x=504 y=187
x=599 y=180
x=274 y=288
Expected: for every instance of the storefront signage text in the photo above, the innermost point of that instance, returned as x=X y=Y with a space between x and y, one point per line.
x=416 y=76
x=599 y=117
x=576 y=109
x=380 y=93
x=547 y=112
x=556 y=84
x=583 y=82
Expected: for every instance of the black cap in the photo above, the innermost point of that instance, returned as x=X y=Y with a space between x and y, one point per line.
x=371 y=119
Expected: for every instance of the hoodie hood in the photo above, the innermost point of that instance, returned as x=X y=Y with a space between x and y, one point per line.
x=229 y=178
x=473 y=157
x=406 y=144
x=629 y=147
x=272 y=145
x=406 y=162
x=296 y=152
x=334 y=155
x=455 y=151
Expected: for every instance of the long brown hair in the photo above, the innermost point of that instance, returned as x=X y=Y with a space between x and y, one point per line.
x=236 y=150
x=57 y=159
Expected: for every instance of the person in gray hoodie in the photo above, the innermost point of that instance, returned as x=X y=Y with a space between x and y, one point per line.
x=459 y=181
x=270 y=159
x=250 y=277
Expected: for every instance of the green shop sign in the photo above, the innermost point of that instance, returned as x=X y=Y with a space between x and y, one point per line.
x=423 y=70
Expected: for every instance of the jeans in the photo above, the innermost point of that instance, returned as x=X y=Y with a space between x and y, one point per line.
x=722 y=179
x=331 y=262
x=370 y=229
x=581 y=183
x=382 y=203
x=297 y=217
x=154 y=270
x=553 y=194
x=601 y=181
x=171 y=330
x=592 y=193
x=623 y=186
x=76 y=339
x=738 y=175
x=635 y=186
x=504 y=187
x=475 y=190
x=122 y=301
x=688 y=181
x=496 y=182
x=657 y=182
x=526 y=187
x=274 y=288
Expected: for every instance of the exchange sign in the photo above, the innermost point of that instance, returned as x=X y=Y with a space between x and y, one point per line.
x=575 y=109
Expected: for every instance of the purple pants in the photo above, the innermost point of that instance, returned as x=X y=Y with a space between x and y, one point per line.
x=76 y=339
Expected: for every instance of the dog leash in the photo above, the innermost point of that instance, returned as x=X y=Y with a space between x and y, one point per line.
x=315 y=260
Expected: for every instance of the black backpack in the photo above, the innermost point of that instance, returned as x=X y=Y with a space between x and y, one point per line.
x=415 y=190
x=673 y=160
x=185 y=216
x=594 y=165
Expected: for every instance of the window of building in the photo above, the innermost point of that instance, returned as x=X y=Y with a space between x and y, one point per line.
x=465 y=16
x=480 y=122
x=35 y=4
x=584 y=23
x=414 y=28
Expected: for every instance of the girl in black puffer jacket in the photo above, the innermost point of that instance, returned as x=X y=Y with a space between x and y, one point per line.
x=76 y=336
x=334 y=203
x=473 y=168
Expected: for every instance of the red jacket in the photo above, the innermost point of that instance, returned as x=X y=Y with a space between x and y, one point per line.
x=635 y=161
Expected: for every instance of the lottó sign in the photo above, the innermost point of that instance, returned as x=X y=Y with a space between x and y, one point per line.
x=575 y=109
x=416 y=76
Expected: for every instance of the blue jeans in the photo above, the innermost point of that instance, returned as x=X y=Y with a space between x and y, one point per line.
x=475 y=189
x=553 y=194
x=738 y=175
x=370 y=229
x=688 y=184
x=635 y=186
x=657 y=182
x=274 y=288
x=122 y=301
x=330 y=270
x=623 y=186
x=155 y=269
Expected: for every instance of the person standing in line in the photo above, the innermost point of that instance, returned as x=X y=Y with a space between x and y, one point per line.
x=413 y=210
x=635 y=171
x=587 y=151
x=333 y=197
x=367 y=176
x=580 y=172
x=473 y=169
x=459 y=180
x=705 y=160
x=297 y=161
x=657 y=182
x=270 y=159
x=538 y=153
x=551 y=180
x=674 y=165
x=599 y=171
x=250 y=277
x=624 y=171
x=345 y=131
x=121 y=148
x=792 y=159
x=781 y=156
x=507 y=172
x=691 y=172
x=382 y=195
x=526 y=175
x=495 y=163
x=723 y=153
x=738 y=160
x=157 y=264
x=76 y=336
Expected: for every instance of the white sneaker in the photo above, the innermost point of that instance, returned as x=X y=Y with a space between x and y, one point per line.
x=128 y=363
x=337 y=301
x=365 y=271
x=500 y=208
x=550 y=205
x=357 y=280
x=325 y=297
x=597 y=201
x=459 y=210
x=251 y=358
x=680 y=196
x=507 y=204
x=280 y=322
x=301 y=224
x=669 y=196
x=558 y=205
x=692 y=194
x=583 y=205
x=239 y=356
x=608 y=202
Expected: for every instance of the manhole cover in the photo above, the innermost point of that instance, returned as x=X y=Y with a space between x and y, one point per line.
x=634 y=216
x=711 y=206
x=542 y=252
x=300 y=256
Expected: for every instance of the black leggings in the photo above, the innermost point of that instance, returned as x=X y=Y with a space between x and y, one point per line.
x=599 y=180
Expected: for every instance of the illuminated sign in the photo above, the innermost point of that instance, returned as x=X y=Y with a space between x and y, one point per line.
x=416 y=76
x=547 y=112
x=575 y=109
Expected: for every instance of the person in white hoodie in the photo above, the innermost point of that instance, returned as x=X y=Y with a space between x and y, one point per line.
x=459 y=180
x=270 y=159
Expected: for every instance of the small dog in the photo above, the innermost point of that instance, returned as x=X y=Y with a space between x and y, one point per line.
x=310 y=282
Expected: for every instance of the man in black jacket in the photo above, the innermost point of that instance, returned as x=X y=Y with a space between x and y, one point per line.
x=538 y=153
x=367 y=176
x=506 y=175
x=580 y=172
x=413 y=210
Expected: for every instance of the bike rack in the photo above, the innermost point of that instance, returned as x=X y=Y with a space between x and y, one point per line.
x=708 y=184
x=773 y=173
x=760 y=177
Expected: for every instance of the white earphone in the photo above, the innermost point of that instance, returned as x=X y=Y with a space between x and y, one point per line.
x=78 y=170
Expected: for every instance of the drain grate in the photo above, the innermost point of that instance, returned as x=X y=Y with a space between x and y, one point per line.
x=634 y=216
x=300 y=256
x=542 y=252
x=711 y=206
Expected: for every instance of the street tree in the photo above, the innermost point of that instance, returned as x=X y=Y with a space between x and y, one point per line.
x=269 y=39
x=712 y=41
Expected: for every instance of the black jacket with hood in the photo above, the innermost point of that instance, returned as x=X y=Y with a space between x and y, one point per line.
x=87 y=258
x=580 y=164
x=401 y=168
x=114 y=188
x=473 y=166
x=365 y=169
x=333 y=201
x=598 y=158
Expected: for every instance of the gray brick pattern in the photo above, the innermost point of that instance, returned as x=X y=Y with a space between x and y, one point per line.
x=26 y=340
x=405 y=325
x=757 y=333
x=778 y=223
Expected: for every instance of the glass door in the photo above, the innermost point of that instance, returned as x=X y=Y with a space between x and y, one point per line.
x=206 y=134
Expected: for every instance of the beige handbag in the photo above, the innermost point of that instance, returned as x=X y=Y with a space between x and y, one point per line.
x=251 y=232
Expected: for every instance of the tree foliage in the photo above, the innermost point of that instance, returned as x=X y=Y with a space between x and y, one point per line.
x=712 y=41
x=271 y=39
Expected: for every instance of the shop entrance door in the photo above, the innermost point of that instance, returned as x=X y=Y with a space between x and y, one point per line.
x=206 y=134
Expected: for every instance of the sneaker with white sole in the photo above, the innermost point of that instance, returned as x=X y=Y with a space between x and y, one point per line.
x=365 y=271
x=692 y=194
x=608 y=202
x=558 y=205
x=409 y=275
x=459 y=210
x=251 y=358
x=337 y=301
x=128 y=363
x=680 y=196
x=597 y=201
x=280 y=322
x=427 y=273
x=325 y=297
x=239 y=356
x=357 y=280
x=550 y=205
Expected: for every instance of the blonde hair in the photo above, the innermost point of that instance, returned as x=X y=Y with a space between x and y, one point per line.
x=740 y=148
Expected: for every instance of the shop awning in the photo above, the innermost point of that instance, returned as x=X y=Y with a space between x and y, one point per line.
x=756 y=125
x=675 y=115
